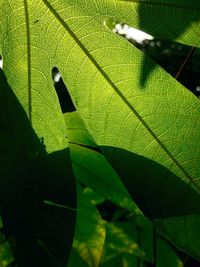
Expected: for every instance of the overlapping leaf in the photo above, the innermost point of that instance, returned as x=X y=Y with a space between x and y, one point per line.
x=90 y=166
x=37 y=198
x=90 y=231
x=37 y=188
x=157 y=123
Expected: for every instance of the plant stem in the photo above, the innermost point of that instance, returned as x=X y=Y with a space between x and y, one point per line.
x=189 y=56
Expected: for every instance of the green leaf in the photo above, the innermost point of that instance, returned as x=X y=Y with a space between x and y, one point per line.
x=142 y=109
x=30 y=78
x=92 y=169
x=150 y=121
x=90 y=166
x=157 y=122
x=90 y=231
x=37 y=191
x=76 y=131
x=160 y=194
x=124 y=117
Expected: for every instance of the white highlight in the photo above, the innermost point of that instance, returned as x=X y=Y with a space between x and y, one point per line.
x=1 y=63
x=132 y=33
x=57 y=77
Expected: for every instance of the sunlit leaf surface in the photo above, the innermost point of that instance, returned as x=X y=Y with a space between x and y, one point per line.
x=148 y=131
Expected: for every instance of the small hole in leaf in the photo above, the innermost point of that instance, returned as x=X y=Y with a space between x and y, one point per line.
x=1 y=62
x=109 y=23
x=62 y=92
x=111 y=212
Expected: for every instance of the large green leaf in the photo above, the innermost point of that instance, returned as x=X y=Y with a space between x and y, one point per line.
x=27 y=67
x=149 y=123
x=158 y=121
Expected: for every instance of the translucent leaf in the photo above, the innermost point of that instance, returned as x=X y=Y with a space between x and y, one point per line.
x=157 y=121
x=90 y=231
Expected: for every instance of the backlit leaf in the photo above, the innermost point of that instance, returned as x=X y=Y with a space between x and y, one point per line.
x=148 y=131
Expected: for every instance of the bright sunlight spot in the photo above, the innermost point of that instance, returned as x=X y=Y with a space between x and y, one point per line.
x=1 y=63
x=57 y=77
x=132 y=33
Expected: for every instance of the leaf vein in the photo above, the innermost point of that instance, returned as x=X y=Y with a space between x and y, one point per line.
x=121 y=96
x=28 y=59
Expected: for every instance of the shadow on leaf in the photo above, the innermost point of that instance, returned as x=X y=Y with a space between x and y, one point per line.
x=157 y=191
x=155 y=18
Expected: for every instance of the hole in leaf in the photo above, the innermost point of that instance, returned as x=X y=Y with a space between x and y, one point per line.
x=62 y=92
x=109 y=23
x=1 y=62
x=111 y=212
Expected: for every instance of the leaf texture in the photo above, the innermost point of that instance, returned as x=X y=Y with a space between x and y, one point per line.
x=158 y=121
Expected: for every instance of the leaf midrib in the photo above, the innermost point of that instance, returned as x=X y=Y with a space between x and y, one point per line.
x=28 y=60
x=115 y=88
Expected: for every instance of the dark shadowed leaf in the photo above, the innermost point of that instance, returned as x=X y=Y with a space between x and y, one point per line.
x=37 y=190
